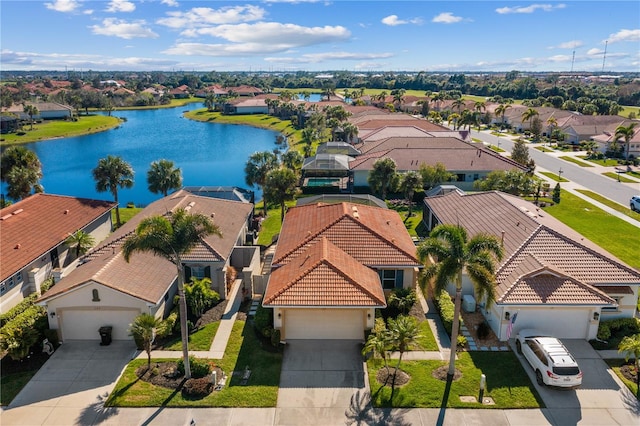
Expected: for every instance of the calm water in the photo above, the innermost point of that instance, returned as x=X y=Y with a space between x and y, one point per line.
x=207 y=153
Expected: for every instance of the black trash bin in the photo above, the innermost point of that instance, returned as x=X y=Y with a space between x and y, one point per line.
x=105 y=335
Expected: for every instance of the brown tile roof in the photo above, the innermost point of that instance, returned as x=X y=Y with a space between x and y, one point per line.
x=372 y=235
x=615 y=289
x=533 y=282
x=39 y=223
x=324 y=275
x=531 y=239
x=379 y=123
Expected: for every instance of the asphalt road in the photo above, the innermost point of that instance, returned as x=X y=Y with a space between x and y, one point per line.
x=618 y=192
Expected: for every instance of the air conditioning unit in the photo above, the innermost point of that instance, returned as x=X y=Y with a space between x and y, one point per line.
x=468 y=303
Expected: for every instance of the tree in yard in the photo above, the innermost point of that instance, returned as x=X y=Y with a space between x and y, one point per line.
x=409 y=184
x=446 y=254
x=281 y=185
x=210 y=102
x=515 y=182
x=454 y=118
x=552 y=122
x=200 y=296
x=350 y=132
x=111 y=173
x=458 y=105
x=292 y=160
x=31 y=111
x=402 y=299
x=81 y=240
x=378 y=342
x=258 y=166
x=403 y=335
x=536 y=128
x=501 y=110
x=172 y=237
x=529 y=114
x=163 y=177
x=556 y=194
x=434 y=175
x=21 y=169
x=520 y=154
x=383 y=176
x=630 y=346
x=144 y=329
x=626 y=133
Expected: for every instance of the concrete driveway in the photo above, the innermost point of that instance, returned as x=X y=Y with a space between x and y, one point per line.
x=600 y=389
x=319 y=379
x=71 y=386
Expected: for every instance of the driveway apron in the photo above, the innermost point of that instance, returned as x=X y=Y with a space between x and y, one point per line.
x=72 y=386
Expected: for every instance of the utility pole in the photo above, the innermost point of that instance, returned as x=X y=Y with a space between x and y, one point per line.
x=604 y=57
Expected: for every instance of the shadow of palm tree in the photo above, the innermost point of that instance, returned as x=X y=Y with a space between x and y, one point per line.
x=631 y=402
x=445 y=400
x=163 y=405
x=96 y=410
x=361 y=412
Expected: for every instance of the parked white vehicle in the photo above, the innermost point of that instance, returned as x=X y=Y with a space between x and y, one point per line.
x=634 y=203
x=551 y=361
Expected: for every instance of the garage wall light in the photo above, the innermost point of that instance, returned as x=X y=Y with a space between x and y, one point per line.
x=507 y=316
x=52 y=314
x=596 y=316
x=279 y=315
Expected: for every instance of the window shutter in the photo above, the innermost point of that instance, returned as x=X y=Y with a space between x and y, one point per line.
x=399 y=278
x=187 y=274
x=207 y=272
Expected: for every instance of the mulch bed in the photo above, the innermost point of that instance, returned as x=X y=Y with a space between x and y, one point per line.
x=386 y=378
x=440 y=373
x=165 y=374
x=629 y=372
x=212 y=315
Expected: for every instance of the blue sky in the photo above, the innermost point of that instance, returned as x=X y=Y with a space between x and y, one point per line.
x=290 y=35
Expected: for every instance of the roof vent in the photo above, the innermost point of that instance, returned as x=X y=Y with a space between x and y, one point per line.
x=213 y=215
x=18 y=211
x=17 y=246
x=66 y=211
x=5 y=217
x=356 y=215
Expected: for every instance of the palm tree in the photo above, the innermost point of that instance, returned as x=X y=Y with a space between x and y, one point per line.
x=163 y=177
x=410 y=182
x=82 y=240
x=112 y=173
x=281 y=186
x=454 y=118
x=292 y=160
x=552 y=122
x=21 y=169
x=501 y=110
x=210 y=101
x=383 y=176
x=630 y=346
x=30 y=110
x=144 y=329
x=453 y=254
x=350 y=132
x=529 y=114
x=258 y=166
x=378 y=342
x=172 y=237
x=626 y=133
x=403 y=335
x=458 y=104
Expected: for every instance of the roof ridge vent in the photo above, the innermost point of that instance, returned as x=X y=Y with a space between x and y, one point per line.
x=17 y=211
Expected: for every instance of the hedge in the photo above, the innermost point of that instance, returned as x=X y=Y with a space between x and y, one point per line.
x=25 y=304
x=446 y=309
x=19 y=334
x=628 y=326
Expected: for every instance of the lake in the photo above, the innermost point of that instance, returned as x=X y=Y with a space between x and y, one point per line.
x=207 y=153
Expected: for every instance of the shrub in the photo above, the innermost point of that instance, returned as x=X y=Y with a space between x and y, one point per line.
x=462 y=342
x=18 y=309
x=402 y=299
x=196 y=388
x=446 y=309
x=620 y=326
x=483 y=330
x=199 y=367
x=22 y=332
x=52 y=336
x=199 y=296
x=263 y=321
x=170 y=323
x=275 y=338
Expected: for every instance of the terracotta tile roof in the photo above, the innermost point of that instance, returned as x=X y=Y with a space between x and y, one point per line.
x=371 y=235
x=379 y=123
x=146 y=277
x=532 y=239
x=543 y=284
x=407 y=131
x=39 y=223
x=413 y=142
x=615 y=289
x=324 y=275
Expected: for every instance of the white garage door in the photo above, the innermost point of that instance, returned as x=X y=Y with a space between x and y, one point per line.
x=561 y=323
x=323 y=324
x=84 y=324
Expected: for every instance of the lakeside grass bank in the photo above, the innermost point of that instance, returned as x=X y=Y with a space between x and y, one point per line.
x=56 y=129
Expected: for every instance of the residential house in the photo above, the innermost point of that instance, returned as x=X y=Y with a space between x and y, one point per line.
x=609 y=135
x=8 y=124
x=332 y=267
x=246 y=106
x=32 y=240
x=554 y=279
x=580 y=128
x=107 y=290
x=180 y=92
x=46 y=111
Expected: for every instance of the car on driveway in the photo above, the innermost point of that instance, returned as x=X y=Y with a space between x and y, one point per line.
x=634 y=203
x=551 y=361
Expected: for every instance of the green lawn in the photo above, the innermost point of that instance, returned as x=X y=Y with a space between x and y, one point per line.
x=272 y=225
x=427 y=342
x=50 y=129
x=627 y=109
x=612 y=234
x=574 y=161
x=507 y=383
x=607 y=202
x=554 y=176
x=244 y=349
x=414 y=223
x=12 y=384
x=615 y=365
x=126 y=213
x=619 y=177
x=496 y=149
x=198 y=341
x=543 y=149
x=174 y=103
x=607 y=162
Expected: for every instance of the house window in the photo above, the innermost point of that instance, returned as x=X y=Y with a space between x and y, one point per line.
x=10 y=283
x=19 y=277
x=198 y=272
x=3 y=288
x=612 y=308
x=476 y=176
x=391 y=278
x=96 y=296
x=460 y=177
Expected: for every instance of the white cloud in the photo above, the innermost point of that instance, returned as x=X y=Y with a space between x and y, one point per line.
x=203 y=49
x=446 y=18
x=120 y=6
x=530 y=9
x=63 y=5
x=568 y=45
x=624 y=35
x=201 y=16
x=595 y=51
x=172 y=3
x=123 y=29
x=393 y=20
x=328 y=56
x=266 y=33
